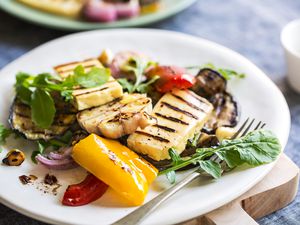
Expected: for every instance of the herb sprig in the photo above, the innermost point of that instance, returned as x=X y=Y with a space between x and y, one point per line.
x=137 y=66
x=226 y=73
x=4 y=134
x=256 y=148
x=35 y=91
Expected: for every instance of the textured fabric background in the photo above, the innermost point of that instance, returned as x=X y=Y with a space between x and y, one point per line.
x=251 y=28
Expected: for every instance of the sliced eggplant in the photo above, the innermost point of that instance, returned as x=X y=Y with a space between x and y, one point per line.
x=20 y=121
x=225 y=113
x=209 y=83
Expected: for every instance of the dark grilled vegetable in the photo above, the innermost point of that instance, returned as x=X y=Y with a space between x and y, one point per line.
x=14 y=157
x=209 y=83
x=225 y=113
x=20 y=121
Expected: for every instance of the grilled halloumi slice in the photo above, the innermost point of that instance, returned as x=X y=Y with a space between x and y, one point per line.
x=69 y=8
x=90 y=97
x=179 y=114
x=120 y=117
x=64 y=70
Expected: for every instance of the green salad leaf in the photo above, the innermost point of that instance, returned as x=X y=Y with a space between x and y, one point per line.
x=256 y=148
x=35 y=91
x=4 y=134
x=42 y=108
x=95 y=77
x=211 y=167
x=226 y=73
x=137 y=66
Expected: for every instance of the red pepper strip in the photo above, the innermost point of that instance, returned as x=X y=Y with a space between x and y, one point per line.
x=85 y=192
x=171 y=77
x=183 y=81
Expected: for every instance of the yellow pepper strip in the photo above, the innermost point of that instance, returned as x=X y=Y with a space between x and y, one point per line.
x=116 y=165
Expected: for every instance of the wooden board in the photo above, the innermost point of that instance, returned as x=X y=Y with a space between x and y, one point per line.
x=275 y=191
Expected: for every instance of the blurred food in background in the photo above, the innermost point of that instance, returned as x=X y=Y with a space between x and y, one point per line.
x=95 y=10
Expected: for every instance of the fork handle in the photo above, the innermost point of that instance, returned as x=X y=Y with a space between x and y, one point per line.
x=137 y=215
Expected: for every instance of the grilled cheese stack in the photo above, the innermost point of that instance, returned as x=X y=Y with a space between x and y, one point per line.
x=69 y=8
x=90 y=97
x=179 y=115
x=119 y=117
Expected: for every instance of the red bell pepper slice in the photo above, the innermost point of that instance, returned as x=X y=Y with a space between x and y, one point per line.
x=171 y=77
x=85 y=192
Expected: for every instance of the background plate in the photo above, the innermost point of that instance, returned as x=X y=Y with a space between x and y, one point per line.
x=258 y=96
x=169 y=8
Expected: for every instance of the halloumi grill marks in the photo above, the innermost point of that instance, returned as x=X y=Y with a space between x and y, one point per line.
x=119 y=117
x=179 y=115
x=90 y=97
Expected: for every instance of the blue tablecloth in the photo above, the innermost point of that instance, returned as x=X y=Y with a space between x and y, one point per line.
x=251 y=28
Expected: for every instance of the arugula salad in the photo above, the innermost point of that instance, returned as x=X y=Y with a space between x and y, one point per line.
x=127 y=119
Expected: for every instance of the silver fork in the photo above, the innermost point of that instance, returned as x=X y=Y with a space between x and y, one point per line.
x=137 y=215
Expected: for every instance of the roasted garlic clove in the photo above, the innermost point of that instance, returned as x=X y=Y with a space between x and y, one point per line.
x=14 y=157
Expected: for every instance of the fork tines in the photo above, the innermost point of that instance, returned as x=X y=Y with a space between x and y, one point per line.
x=244 y=129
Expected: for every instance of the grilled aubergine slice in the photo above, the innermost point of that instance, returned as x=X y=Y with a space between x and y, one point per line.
x=179 y=114
x=225 y=113
x=20 y=121
x=90 y=97
x=212 y=85
x=209 y=83
x=119 y=117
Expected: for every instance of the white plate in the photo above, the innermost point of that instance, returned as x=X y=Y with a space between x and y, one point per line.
x=258 y=96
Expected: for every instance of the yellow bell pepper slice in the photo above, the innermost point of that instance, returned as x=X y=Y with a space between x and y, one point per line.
x=116 y=165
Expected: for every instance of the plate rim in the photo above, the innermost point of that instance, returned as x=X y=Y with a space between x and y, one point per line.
x=81 y=26
x=38 y=217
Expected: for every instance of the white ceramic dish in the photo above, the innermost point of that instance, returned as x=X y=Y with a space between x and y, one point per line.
x=257 y=95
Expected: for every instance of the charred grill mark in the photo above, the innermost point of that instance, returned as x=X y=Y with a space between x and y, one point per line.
x=171 y=118
x=153 y=136
x=197 y=97
x=23 y=115
x=59 y=123
x=165 y=128
x=179 y=110
x=70 y=70
x=188 y=103
x=88 y=92
x=59 y=68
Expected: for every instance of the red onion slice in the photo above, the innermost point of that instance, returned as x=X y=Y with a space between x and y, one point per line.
x=63 y=153
x=62 y=164
x=99 y=11
x=127 y=10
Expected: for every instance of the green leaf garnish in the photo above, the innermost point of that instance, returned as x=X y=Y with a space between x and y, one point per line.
x=171 y=176
x=138 y=67
x=35 y=91
x=23 y=92
x=95 y=77
x=226 y=73
x=211 y=167
x=42 y=108
x=4 y=134
x=126 y=85
x=256 y=148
